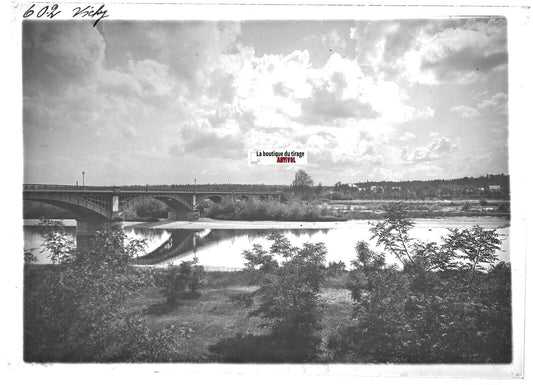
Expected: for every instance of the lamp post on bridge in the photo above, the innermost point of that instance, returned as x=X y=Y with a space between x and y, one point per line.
x=83 y=178
x=194 y=196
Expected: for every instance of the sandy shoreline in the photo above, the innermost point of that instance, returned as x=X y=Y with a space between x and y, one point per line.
x=218 y=224
x=205 y=223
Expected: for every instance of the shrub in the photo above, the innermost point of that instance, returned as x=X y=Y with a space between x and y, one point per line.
x=74 y=310
x=264 y=210
x=181 y=282
x=286 y=298
x=150 y=209
x=335 y=268
x=466 y=206
x=441 y=307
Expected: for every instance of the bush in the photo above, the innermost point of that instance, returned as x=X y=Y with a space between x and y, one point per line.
x=286 y=298
x=466 y=207
x=74 y=309
x=442 y=307
x=181 y=282
x=150 y=209
x=335 y=268
x=264 y=210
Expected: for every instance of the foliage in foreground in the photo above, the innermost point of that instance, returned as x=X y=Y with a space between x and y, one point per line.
x=75 y=310
x=286 y=298
x=445 y=303
x=442 y=307
x=181 y=282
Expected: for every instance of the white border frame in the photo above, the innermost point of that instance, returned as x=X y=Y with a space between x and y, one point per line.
x=520 y=63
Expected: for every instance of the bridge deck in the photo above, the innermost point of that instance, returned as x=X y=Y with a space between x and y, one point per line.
x=140 y=189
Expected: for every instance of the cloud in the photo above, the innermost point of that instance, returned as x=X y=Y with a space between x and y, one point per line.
x=438 y=148
x=327 y=104
x=208 y=144
x=462 y=51
x=333 y=40
x=193 y=51
x=208 y=93
x=58 y=54
x=497 y=102
x=407 y=136
x=464 y=64
x=465 y=111
x=280 y=89
x=370 y=150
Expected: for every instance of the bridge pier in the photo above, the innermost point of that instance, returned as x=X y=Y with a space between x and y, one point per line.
x=115 y=213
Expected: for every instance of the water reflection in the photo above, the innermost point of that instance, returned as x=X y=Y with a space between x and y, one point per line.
x=221 y=249
x=210 y=245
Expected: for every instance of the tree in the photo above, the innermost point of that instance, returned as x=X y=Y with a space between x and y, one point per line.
x=181 y=282
x=302 y=180
x=441 y=306
x=75 y=309
x=286 y=298
x=150 y=209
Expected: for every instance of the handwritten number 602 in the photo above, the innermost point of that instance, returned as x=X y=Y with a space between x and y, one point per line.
x=44 y=11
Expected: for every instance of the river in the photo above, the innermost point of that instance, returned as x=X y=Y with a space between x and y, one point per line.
x=218 y=245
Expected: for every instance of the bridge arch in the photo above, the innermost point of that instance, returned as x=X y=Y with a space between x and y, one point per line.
x=175 y=202
x=215 y=198
x=81 y=208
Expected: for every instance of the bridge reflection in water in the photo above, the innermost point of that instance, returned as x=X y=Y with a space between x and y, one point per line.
x=182 y=243
x=215 y=247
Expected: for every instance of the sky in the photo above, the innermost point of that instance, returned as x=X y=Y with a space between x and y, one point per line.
x=146 y=102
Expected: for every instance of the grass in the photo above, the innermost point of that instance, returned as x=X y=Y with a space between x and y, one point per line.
x=212 y=316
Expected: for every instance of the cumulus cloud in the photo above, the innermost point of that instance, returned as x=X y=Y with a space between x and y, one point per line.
x=59 y=54
x=206 y=92
x=497 y=102
x=438 y=148
x=406 y=136
x=462 y=51
x=326 y=104
x=465 y=111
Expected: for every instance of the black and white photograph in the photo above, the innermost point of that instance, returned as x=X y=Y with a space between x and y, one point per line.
x=270 y=190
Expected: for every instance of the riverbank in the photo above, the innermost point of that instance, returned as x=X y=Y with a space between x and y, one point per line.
x=207 y=223
x=204 y=321
x=335 y=211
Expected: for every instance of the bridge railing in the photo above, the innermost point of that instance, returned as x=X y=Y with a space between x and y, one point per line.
x=27 y=187
x=206 y=189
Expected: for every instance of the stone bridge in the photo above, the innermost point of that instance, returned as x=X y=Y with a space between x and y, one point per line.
x=107 y=203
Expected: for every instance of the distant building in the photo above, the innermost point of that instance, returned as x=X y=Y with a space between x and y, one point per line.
x=396 y=188
x=376 y=189
x=495 y=187
x=354 y=186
